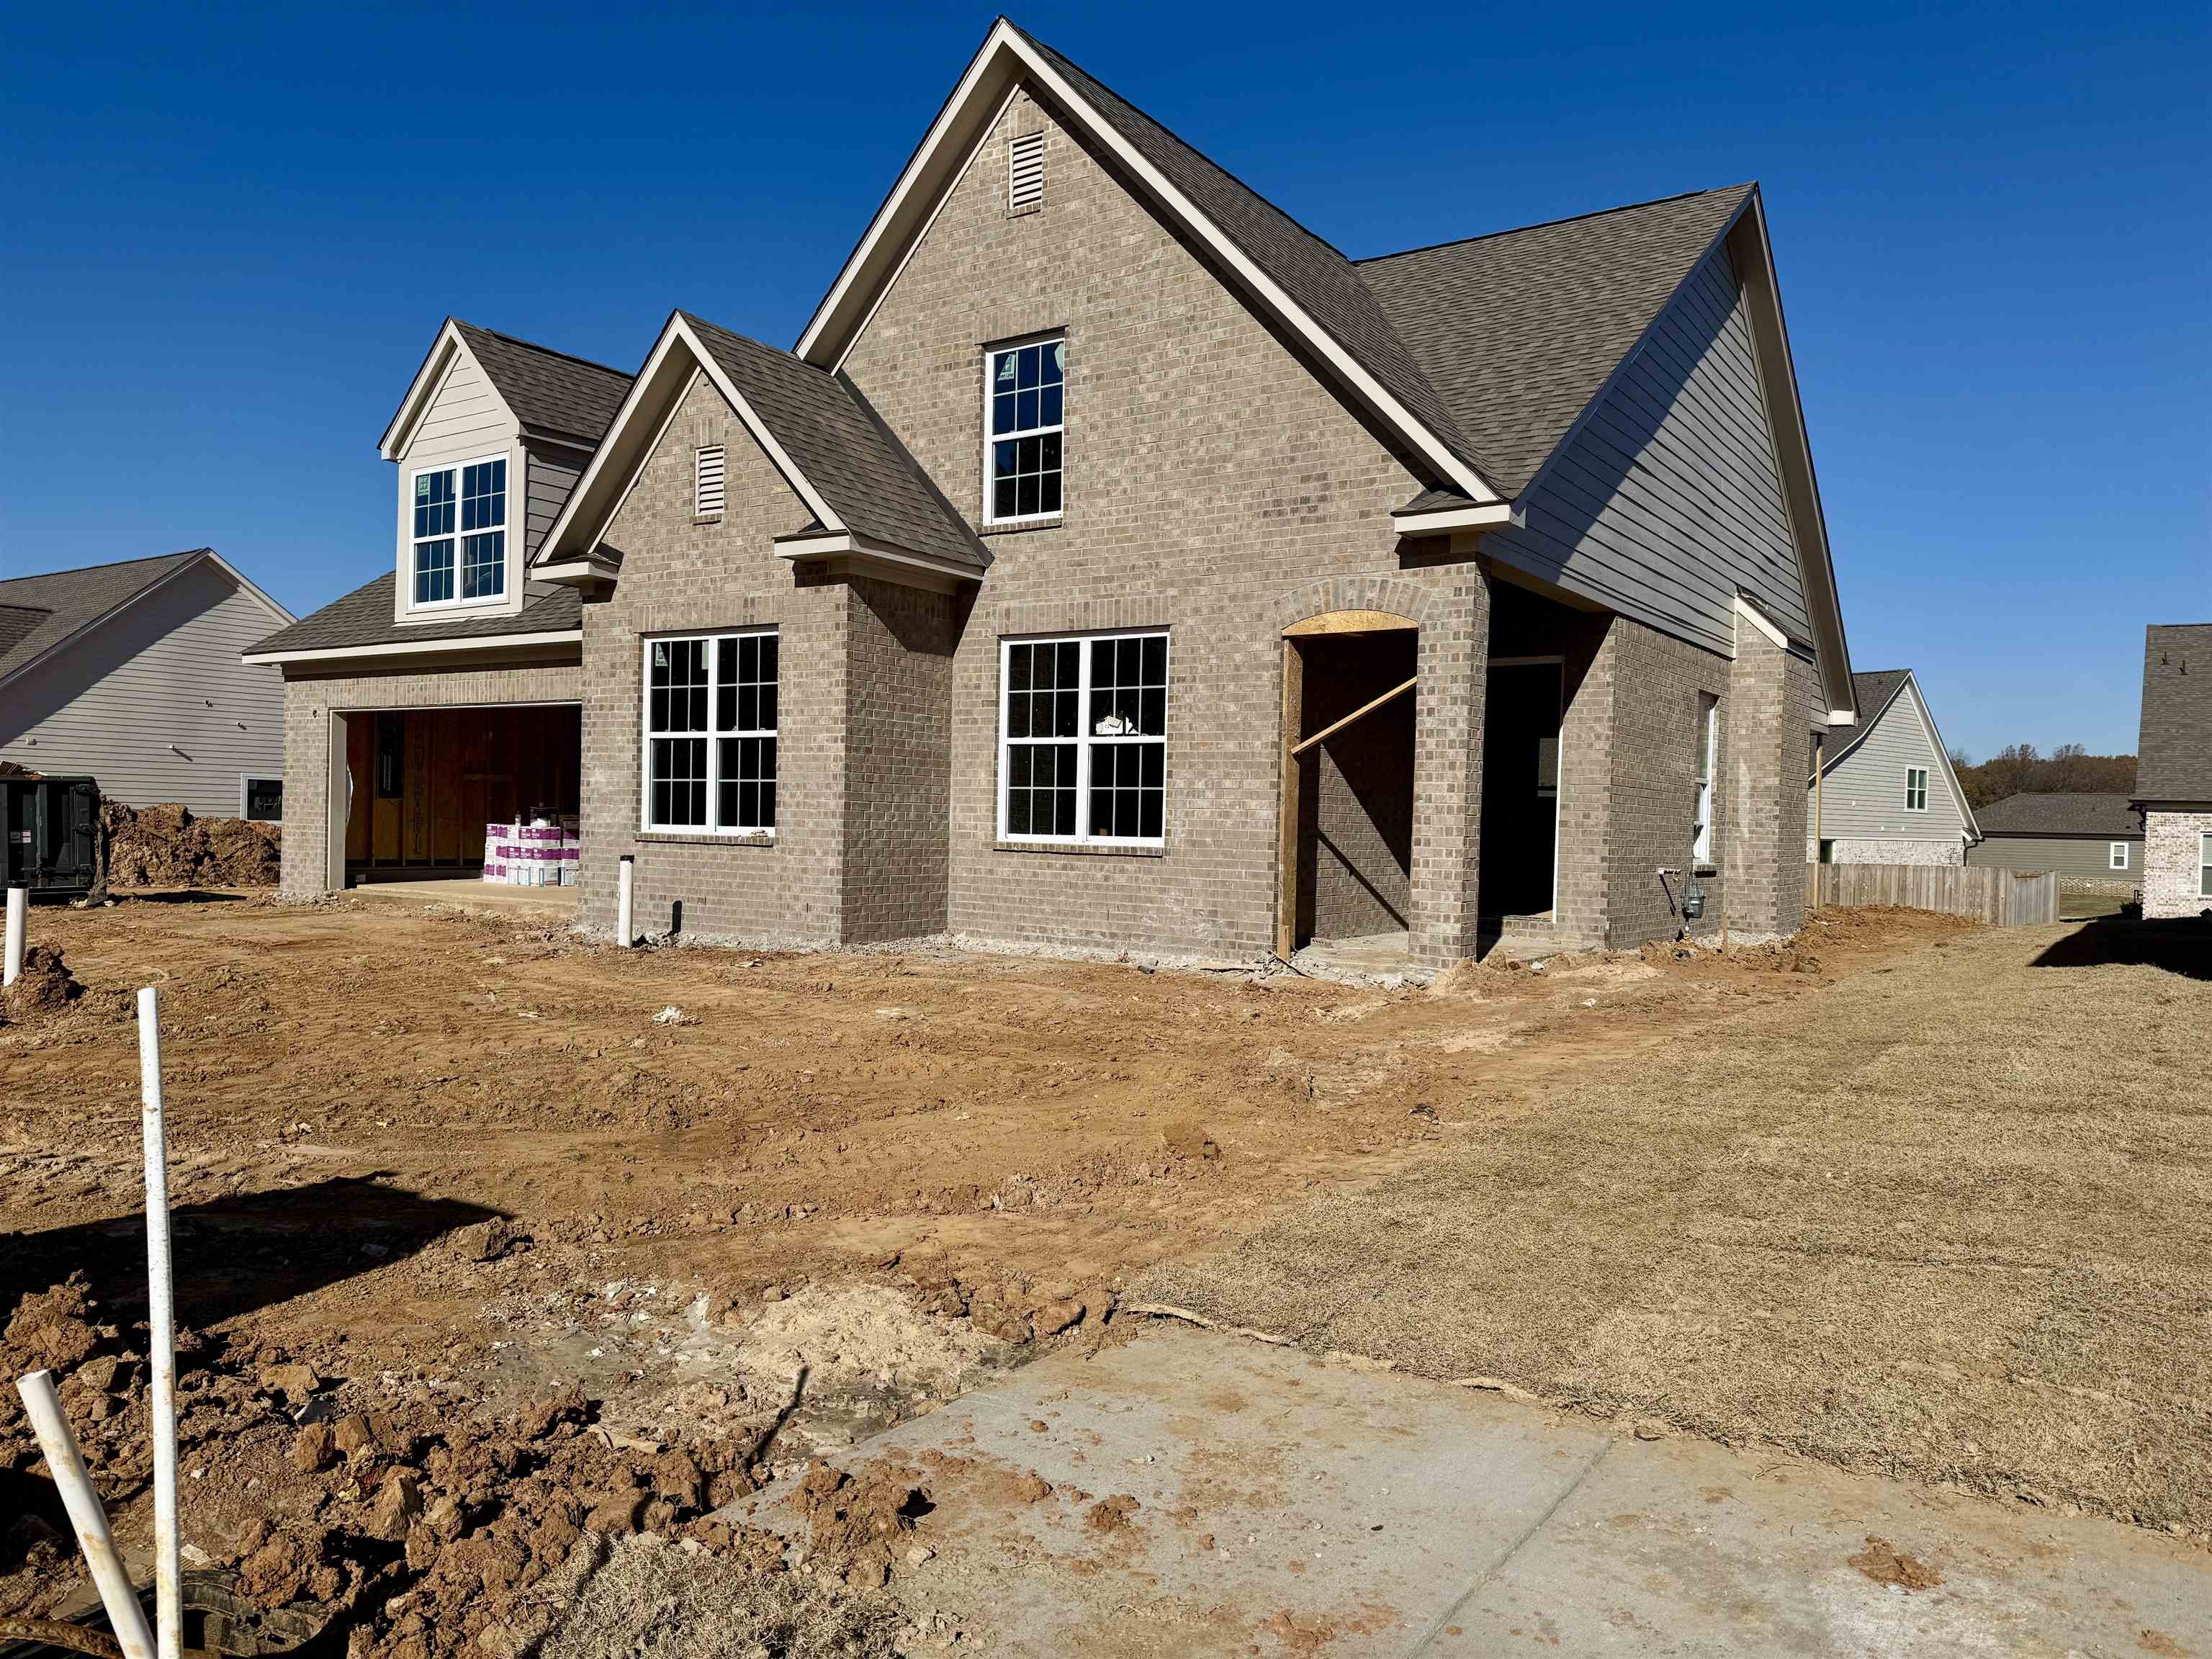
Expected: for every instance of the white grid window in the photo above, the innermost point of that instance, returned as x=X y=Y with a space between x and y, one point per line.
x=1083 y=739
x=1024 y=465
x=710 y=733
x=471 y=497
x=2119 y=855
x=707 y=468
x=1915 y=788
x=1701 y=830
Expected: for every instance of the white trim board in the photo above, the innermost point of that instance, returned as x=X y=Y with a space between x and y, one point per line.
x=1004 y=59
x=424 y=647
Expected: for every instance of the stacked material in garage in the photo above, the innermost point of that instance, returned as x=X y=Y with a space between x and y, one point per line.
x=538 y=853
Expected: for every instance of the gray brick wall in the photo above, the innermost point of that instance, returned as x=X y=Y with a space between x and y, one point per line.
x=1770 y=736
x=1655 y=737
x=309 y=702
x=681 y=574
x=898 y=758
x=1210 y=478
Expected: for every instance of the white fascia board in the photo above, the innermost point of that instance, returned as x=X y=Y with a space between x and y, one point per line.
x=420 y=647
x=423 y=390
x=712 y=370
x=251 y=590
x=1004 y=43
x=1746 y=611
x=569 y=571
x=1843 y=717
x=1935 y=737
x=1488 y=516
x=588 y=481
x=796 y=548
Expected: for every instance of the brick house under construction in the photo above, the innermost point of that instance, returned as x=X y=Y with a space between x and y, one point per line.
x=1114 y=564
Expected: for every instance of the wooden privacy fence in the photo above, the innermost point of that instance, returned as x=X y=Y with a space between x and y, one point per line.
x=2003 y=898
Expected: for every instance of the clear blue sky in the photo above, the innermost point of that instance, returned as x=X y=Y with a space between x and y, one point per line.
x=231 y=234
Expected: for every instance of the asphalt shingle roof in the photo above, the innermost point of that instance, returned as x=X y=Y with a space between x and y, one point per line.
x=2105 y=816
x=39 y=612
x=548 y=390
x=1518 y=330
x=2173 y=754
x=843 y=449
x=364 y=617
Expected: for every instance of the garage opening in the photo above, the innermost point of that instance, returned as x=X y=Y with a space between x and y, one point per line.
x=1347 y=852
x=423 y=786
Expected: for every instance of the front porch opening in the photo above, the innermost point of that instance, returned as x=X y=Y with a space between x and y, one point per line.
x=419 y=786
x=1347 y=808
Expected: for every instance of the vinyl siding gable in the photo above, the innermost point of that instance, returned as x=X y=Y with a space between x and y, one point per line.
x=1666 y=500
x=163 y=671
x=466 y=420
x=1863 y=795
x=553 y=471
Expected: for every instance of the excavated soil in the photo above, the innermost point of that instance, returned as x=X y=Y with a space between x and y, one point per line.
x=547 y=1269
x=167 y=847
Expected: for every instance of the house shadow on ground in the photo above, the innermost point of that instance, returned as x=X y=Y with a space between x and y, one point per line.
x=232 y=1255
x=2183 y=947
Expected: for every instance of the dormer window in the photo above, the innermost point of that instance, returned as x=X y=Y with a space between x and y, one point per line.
x=453 y=569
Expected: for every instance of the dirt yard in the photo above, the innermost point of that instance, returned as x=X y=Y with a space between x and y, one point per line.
x=1906 y=1195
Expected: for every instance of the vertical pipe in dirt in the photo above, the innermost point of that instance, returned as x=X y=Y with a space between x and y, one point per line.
x=44 y=1408
x=160 y=1332
x=19 y=906
x=625 y=881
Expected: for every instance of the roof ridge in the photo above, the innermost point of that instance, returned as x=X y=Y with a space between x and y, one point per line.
x=1548 y=224
x=1290 y=218
x=105 y=564
x=544 y=351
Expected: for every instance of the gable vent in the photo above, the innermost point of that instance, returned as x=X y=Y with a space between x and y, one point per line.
x=707 y=482
x=1025 y=172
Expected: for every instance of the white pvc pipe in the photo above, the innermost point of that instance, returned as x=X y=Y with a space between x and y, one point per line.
x=624 y=933
x=161 y=1332
x=66 y=1463
x=19 y=909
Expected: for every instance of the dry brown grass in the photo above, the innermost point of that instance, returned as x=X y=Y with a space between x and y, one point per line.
x=1951 y=1217
x=654 y=1600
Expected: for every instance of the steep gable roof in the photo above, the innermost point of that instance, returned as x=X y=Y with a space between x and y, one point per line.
x=1520 y=329
x=39 y=614
x=549 y=393
x=1876 y=691
x=869 y=497
x=2173 y=755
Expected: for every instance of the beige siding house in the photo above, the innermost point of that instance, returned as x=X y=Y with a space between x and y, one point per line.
x=1887 y=792
x=130 y=672
x=1115 y=564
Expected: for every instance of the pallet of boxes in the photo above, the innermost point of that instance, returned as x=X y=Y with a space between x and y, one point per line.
x=540 y=851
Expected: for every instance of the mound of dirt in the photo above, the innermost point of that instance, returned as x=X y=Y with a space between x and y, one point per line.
x=45 y=986
x=10 y=770
x=166 y=847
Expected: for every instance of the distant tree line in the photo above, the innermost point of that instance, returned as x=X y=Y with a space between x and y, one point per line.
x=2018 y=769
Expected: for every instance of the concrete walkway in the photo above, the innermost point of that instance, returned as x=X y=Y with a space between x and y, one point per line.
x=1291 y=1505
x=551 y=903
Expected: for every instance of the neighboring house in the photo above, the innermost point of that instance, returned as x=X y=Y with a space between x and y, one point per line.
x=1887 y=793
x=130 y=672
x=2091 y=841
x=2173 y=770
x=1115 y=563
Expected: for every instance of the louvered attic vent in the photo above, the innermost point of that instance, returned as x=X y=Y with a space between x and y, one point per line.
x=706 y=482
x=1025 y=173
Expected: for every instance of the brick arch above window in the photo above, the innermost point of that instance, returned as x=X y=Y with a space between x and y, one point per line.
x=1389 y=595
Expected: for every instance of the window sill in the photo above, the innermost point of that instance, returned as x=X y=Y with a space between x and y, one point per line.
x=1092 y=849
x=1704 y=870
x=706 y=518
x=1058 y=521
x=700 y=838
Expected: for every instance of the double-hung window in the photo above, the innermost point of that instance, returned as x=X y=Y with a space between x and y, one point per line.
x=2204 y=866
x=1083 y=732
x=1709 y=732
x=1915 y=788
x=1023 y=463
x=2119 y=855
x=448 y=568
x=710 y=733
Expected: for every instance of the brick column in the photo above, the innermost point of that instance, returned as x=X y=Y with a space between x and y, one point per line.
x=1455 y=651
x=1767 y=746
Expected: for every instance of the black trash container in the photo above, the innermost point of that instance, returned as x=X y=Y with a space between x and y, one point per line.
x=50 y=835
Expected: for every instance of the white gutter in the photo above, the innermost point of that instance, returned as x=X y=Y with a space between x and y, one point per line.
x=419 y=647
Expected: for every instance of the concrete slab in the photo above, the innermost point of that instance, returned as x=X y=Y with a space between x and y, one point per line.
x=1287 y=1505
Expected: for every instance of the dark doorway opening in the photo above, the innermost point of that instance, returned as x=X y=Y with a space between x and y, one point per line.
x=1349 y=723
x=1520 y=787
x=423 y=784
